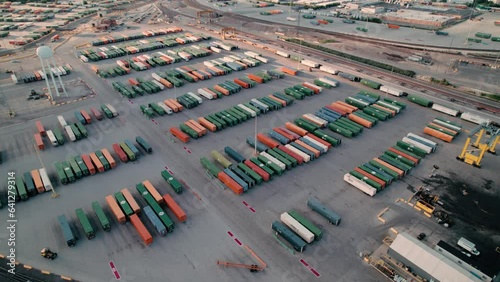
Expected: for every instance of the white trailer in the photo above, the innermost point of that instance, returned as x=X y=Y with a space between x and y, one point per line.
x=206 y=94
x=423 y=140
x=330 y=81
x=228 y=59
x=84 y=59
x=305 y=157
x=251 y=54
x=42 y=74
x=322 y=146
x=328 y=70
x=298 y=228
x=196 y=97
x=215 y=49
x=62 y=70
x=262 y=59
x=266 y=107
x=62 y=121
x=225 y=47
x=159 y=84
x=390 y=106
x=392 y=91
x=282 y=54
x=70 y=133
x=252 y=112
x=468 y=246
x=209 y=64
x=417 y=144
x=310 y=85
x=362 y=186
x=474 y=118
x=291 y=19
x=165 y=107
x=156 y=76
x=52 y=138
x=316 y=120
x=445 y=110
x=274 y=160
x=14 y=78
x=45 y=179
x=112 y=109
x=310 y=63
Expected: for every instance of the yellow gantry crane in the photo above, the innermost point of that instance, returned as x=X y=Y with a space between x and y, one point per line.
x=209 y=13
x=228 y=32
x=467 y=155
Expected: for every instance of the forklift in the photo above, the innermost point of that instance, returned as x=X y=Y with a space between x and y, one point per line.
x=48 y=254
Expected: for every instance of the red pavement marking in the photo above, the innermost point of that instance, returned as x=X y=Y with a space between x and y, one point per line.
x=252 y=209
x=304 y=262
x=230 y=233
x=113 y=269
x=248 y=206
x=130 y=101
x=313 y=271
x=245 y=203
x=238 y=241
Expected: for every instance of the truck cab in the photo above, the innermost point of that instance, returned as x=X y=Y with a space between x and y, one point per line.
x=468 y=246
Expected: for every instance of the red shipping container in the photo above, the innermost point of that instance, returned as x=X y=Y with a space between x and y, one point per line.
x=255 y=78
x=298 y=130
x=179 y=134
x=39 y=142
x=96 y=113
x=316 y=138
x=174 y=207
x=292 y=154
x=141 y=229
x=257 y=170
x=119 y=151
x=40 y=128
x=229 y=182
x=241 y=83
x=89 y=164
x=86 y=116
x=267 y=141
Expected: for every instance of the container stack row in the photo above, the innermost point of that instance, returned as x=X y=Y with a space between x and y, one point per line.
x=38 y=75
x=378 y=173
x=443 y=129
x=121 y=38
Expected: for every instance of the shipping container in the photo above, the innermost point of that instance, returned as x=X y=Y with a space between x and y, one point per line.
x=40 y=128
x=85 y=223
x=95 y=160
x=298 y=228
x=70 y=133
x=68 y=234
x=109 y=158
x=423 y=140
x=152 y=191
x=175 y=208
x=172 y=181
x=45 y=179
x=115 y=209
x=318 y=234
x=295 y=241
x=127 y=210
x=324 y=211
x=30 y=185
x=88 y=163
x=39 y=141
x=101 y=216
x=141 y=229
x=470 y=117
x=133 y=148
x=365 y=188
x=230 y=183
x=96 y=113
x=165 y=219
x=52 y=138
x=62 y=121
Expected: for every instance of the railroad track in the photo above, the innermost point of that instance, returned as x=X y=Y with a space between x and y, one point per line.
x=195 y=4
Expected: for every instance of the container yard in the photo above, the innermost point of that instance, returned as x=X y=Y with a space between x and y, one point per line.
x=196 y=149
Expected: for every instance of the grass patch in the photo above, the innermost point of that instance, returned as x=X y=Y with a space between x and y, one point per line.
x=329 y=41
x=494 y=97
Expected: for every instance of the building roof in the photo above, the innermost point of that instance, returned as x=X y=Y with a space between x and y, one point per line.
x=418 y=15
x=430 y=261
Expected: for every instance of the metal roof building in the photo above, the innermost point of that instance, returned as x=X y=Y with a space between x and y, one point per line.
x=426 y=262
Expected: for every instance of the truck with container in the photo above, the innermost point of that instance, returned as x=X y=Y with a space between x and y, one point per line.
x=298 y=228
x=101 y=216
x=297 y=243
x=45 y=179
x=323 y=210
x=155 y=220
x=468 y=246
x=85 y=223
x=52 y=138
x=145 y=145
x=68 y=234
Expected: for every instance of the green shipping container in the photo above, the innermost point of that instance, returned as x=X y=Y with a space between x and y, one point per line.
x=263 y=166
x=327 y=137
x=174 y=183
x=85 y=223
x=165 y=219
x=307 y=224
x=82 y=165
x=340 y=130
x=248 y=171
x=126 y=149
x=210 y=167
x=366 y=180
x=103 y=160
x=68 y=171
x=103 y=219
x=277 y=170
x=221 y=159
x=59 y=136
x=402 y=159
x=82 y=129
x=384 y=168
x=74 y=166
x=287 y=156
x=60 y=173
x=123 y=204
x=145 y=145
x=419 y=100
x=21 y=189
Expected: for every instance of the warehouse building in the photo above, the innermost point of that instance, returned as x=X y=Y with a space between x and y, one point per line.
x=474 y=265
x=420 y=19
x=426 y=262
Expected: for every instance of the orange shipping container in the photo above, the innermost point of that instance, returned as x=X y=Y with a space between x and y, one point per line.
x=152 y=190
x=40 y=128
x=141 y=229
x=109 y=158
x=437 y=134
x=444 y=128
x=400 y=172
x=166 y=83
x=354 y=108
x=132 y=81
x=179 y=134
x=360 y=120
x=313 y=88
x=35 y=174
x=179 y=106
x=210 y=126
x=95 y=68
x=392 y=112
x=113 y=205
x=288 y=71
x=222 y=90
x=171 y=105
x=39 y=142
x=131 y=201
x=255 y=78
x=370 y=176
x=413 y=159
x=229 y=182
x=241 y=83
x=267 y=141
x=174 y=207
x=198 y=75
x=283 y=103
x=194 y=127
x=86 y=116
x=88 y=163
x=96 y=162
x=298 y=130
x=316 y=152
x=203 y=129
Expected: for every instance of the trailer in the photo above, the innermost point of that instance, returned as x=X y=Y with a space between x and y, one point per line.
x=445 y=110
x=68 y=234
x=52 y=138
x=324 y=211
x=310 y=63
x=297 y=243
x=393 y=91
x=298 y=228
x=45 y=179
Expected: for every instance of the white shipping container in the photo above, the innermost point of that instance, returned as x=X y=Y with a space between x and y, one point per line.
x=165 y=107
x=365 y=188
x=313 y=86
x=419 y=145
x=196 y=97
x=112 y=109
x=316 y=120
x=262 y=59
x=282 y=54
x=62 y=121
x=298 y=228
x=251 y=54
x=305 y=157
x=252 y=112
x=310 y=63
x=424 y=140
x=52 y=137
x=390 y=106
x=215 y=49
x=62 y=70
x=333 y=83
x=159 y=84
x=84 y=59
x=248 y=62
x=180 y=70
x=70 y=133
x=45 y=179
x=14 y=78
x=291 y=19
x=328 y=70
x=205 y=93
x=225 y=47
x=443 y=109
x=445 y=124
x=156 y=76
x=260 y=104
x=228 y=59
x=392 y=91
x=209 y=64
x=42 y=74
x=323 y=147
x=474 y=118
x=274 y=160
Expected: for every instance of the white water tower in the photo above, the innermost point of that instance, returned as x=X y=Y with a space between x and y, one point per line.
x=47 y=59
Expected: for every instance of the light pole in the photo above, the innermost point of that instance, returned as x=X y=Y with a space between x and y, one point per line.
x=255 y=138
x=300 y=41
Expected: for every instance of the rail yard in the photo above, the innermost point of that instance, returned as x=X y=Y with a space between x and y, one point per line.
x=165 y=149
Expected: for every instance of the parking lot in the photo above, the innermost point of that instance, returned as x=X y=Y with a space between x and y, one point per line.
x=190 y=253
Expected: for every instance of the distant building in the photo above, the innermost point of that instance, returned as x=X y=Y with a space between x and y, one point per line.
x=372 y=10
x=420 y=19
x=352 y=6
x=426 y=262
